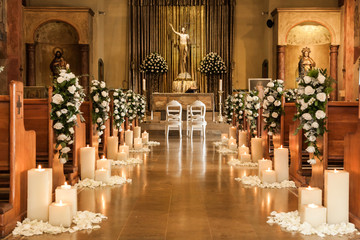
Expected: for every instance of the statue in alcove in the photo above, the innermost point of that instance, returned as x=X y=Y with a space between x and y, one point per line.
x=306 y=63
x=183 y=47
x=58 y=62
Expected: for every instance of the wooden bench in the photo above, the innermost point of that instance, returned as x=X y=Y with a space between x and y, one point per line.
x=17 y=151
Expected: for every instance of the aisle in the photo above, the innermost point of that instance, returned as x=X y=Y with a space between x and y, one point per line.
x=184 y=190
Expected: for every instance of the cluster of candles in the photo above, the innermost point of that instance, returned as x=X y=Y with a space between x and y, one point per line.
x=336 y=200
x=58 y=213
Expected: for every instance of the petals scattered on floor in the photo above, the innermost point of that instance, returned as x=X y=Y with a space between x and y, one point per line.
x=91 y=183
x=129 y=161
x=254 y=181
x=238 y=163
x=152 y=143
x=226 y=151
x=82 y=220
x=142 y=150
x=290 y=221
x=218 y=144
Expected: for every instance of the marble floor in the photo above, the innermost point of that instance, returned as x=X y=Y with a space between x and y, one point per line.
x=184 y=190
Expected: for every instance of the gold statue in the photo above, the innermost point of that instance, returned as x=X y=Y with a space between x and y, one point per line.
x=183 y=47
x=306 y=63
x=58 y=62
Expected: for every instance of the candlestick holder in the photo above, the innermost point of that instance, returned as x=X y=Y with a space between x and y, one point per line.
x=220 y=118
x=146 y=104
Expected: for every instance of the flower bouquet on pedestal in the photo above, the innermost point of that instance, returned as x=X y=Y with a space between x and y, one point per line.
x=154 y=65
x=212 y=65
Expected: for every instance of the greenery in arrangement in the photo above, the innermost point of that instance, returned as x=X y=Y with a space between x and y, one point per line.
x=313 y=93
x=120 y=108
x=252 y=106
x=239 y=107
x=141 y=107
x=229 y=108
x=67 y=98
x=99 y=96
x=290 y=95
x=212 y=64
x=132 y=102
x=272 y=105
x=154 y=63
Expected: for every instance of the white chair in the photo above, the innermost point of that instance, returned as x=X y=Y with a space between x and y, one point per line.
x=173 y=117
x=197 y=117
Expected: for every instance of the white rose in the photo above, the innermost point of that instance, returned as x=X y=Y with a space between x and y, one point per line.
x=280 y=81
x=277 y=103
x=104 y=104
x=257 y=106
x=307 y=79
x=99 y=120
x=321 y=78
x=306 y=126
x=96 y=98
x=310 y=149
x=61 y=137
x=273 y=124
x=307 y=116
x=58 y=113
x=312 y=161
x=270 y=84
x=320 y=114
x=70 y=104
x=309 y=90
x=102 y=84
x=104 y=94
x=270 y=133
x=102 y=127
x=72 y=119
x=65 y=150
x=64 y=111
x=321 y=97
x=58 y=125
x=274 y=114
x=117 y=117
x=122 y=114
x=92 y=89
x=96 y=110
x=270 y=99
x=57 y=99
x=304 y=106
x=60 y=79
x=62 y=160
x=279 y=89
x=71 y=130
x=315 y=125
x=249 y=98
x=255 y=98
x=116 y=101
x=72 y=89
x=312 y=138
x=116 y=94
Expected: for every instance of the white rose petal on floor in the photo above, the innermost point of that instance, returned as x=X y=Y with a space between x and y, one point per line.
x=82 y=220
x=227 y=151
x=238 y=163
x=218 y=144
x=290 y=221
x=254 y=181
x=142 y=150
x=129 y=161
x=91 y=183
x=152 y=143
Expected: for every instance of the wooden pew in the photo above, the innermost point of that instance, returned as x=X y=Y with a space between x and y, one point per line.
x=17 y=151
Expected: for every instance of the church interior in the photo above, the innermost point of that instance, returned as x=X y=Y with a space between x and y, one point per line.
x=179 y=119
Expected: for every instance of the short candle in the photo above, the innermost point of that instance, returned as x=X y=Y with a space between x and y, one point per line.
x=268 y=176
x=264 y=164
x=313 y=214
x=60 y=214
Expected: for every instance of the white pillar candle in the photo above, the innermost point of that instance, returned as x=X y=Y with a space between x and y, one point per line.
x=137 y=132
x=112 y=147
x=233 y=146
x=87 y=162
x=336 y=196
x=104 y=163
x=256 y=149
x=60 y=214
x=281 y=163
x=145 y=137
x=220 y=85
x=268 y=176
x=122 y=156
x=243 y=149
x=137 y=143
x=245 y=157
x=39 y=193
x=242 y=138
x=309 y=195
x=102 y=175
x=67 y=194
x=313 y=214
x=124 y=148
x=144 y=84
x=224 y=137
x=231 y=141
x=264 y=164
x=129 y=138
x=232 y=132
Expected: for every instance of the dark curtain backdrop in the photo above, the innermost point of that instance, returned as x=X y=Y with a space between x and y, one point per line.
x=208 y=22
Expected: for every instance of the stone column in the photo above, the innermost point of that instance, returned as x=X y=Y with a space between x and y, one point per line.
x=333 y=70
x=30 y=64
x=280 y=54
x=85 y=69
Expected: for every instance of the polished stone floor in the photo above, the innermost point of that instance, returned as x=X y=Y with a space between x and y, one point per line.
x=185 y=190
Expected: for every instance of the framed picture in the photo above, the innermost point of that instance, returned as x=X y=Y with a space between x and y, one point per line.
x=258 y=82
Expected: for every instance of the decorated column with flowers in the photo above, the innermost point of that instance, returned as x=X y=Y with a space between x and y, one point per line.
x=132 y=106
x=120 y=110
x=229 y=108
x=239 y=107
x=141 y=107
x=252 y=106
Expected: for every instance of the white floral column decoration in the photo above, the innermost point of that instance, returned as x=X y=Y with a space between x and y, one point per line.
x=272 y=105
x=67 y=98
x=99 y=95
x=229 y=108
x=132 y=105
x=239 y=107
x=252 y=106
x=120 y=108
x=141 y=107
x=313 y=91
x=290 y=95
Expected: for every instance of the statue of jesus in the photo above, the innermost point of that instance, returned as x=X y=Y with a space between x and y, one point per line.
x=183 y=47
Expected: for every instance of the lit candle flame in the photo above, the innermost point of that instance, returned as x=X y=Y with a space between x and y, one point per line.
x=87 y=145
x=309 y=188
x=65 y=184
x=103 y=157
x=281 y=146
x=312 y=205
x=243 y=145
x=102 y=169
x=39 y=167
x=335 y=170
x=268 y=170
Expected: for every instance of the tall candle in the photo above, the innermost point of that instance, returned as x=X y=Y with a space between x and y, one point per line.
x=145 y=137
x=264 y=164
x=242 y=138
x=137 y=132
x=281 y=163
x=256 y=149
x=220 y=85
x=129 y=138
x=67 y=194
x=313 y=214
x=112 y=147
x=60 y=214
x=144 y=84
x=102 y=175
x=122 y=156
x=87 y=162
x=39 y=193
x=336 y=197
x=309 y=195
x=104 y=163
x=245 y=157
x=268 y=176
x=137 y=143
x=232 y=132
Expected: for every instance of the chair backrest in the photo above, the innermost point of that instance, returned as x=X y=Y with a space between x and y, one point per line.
x=173 y=111
x=198 y=110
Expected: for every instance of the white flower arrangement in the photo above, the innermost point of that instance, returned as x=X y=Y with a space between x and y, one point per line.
x=154 y=63
x=239 y=108
x=254 y=181
x=313 y=92
x=272 y=105
x=141 y=107
x=132 y=105
x=229 y=108
x=67 y=98
x=212 y=64
x=120 y=108
x=252 y=106
x=99 y=96
x=290 y=95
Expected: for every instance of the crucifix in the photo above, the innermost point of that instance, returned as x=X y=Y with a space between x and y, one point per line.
x=18 y=104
